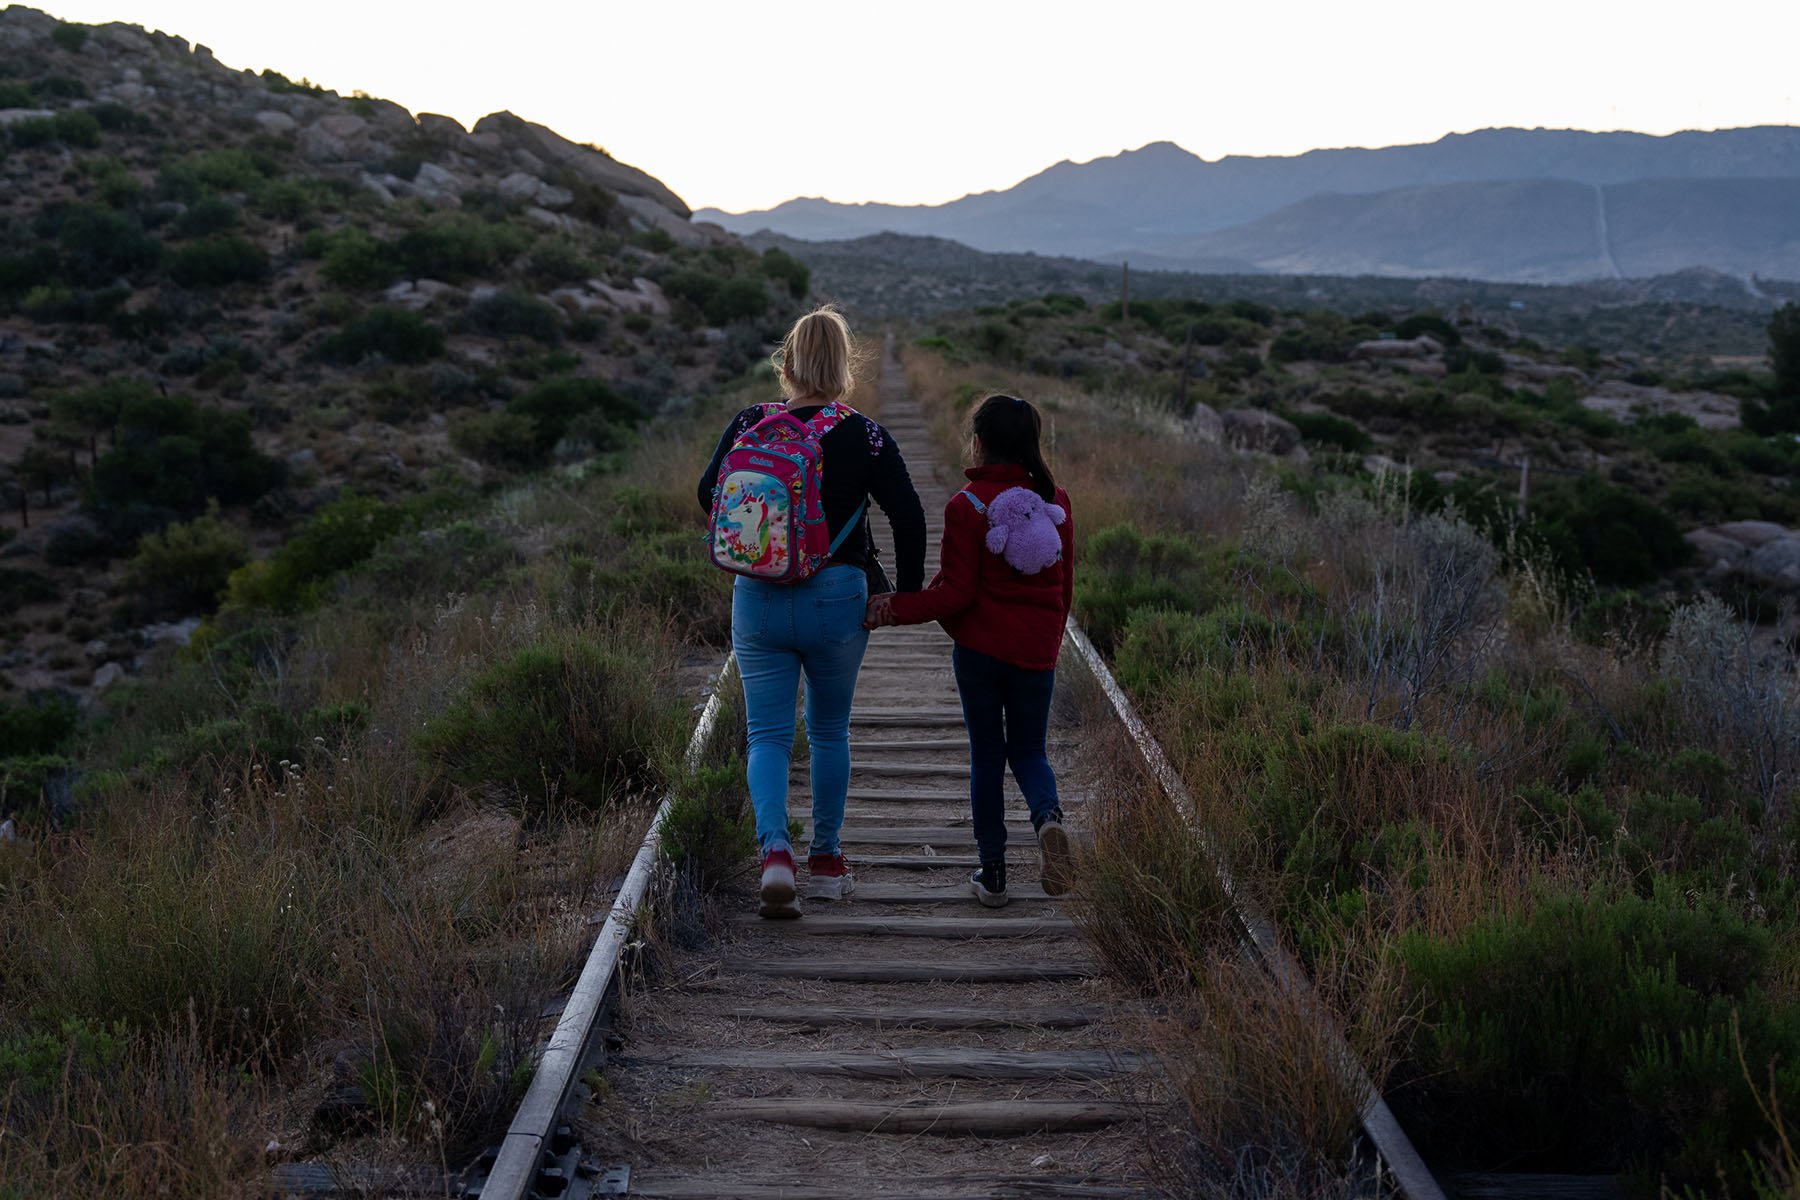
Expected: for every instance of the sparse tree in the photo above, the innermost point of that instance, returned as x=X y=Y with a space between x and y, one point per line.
x=1784 y=350
x=40 y=469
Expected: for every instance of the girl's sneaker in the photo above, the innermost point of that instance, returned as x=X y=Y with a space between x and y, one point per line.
x=779 y=897
x=828 y=877
x=1053 y=853
x=989 y=885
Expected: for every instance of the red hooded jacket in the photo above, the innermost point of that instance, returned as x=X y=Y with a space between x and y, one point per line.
x=983 y=603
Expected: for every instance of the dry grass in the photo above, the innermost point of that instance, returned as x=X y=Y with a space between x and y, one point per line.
x=1397 y=742
x=300 y=928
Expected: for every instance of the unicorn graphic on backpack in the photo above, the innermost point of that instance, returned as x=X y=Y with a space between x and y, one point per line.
x=747 y=532
x=767 y=521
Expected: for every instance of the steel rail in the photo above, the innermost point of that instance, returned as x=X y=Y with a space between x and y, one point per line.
x=515 y=1170
x=1410 y=1176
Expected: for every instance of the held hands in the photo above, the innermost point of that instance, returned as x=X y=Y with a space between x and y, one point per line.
x=880 y=611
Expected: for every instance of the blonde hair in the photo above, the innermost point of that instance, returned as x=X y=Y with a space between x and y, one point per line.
x=816 y=357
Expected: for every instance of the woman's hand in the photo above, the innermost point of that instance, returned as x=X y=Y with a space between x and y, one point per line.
x=880 y=611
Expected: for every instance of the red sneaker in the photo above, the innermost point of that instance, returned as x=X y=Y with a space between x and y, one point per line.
x=779 y=896
x=829 y=877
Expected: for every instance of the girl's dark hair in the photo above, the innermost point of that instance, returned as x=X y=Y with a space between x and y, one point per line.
x=1010 y=429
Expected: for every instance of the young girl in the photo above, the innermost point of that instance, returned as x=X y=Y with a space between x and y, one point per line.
x=1007 y=623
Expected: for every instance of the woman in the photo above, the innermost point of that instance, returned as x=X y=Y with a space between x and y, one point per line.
x=814 y=628
x=1004 y=601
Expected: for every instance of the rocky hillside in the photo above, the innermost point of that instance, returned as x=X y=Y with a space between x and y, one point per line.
x=237 y=307
x=1686 y=315
x=1540 y=205
x=1633 y=476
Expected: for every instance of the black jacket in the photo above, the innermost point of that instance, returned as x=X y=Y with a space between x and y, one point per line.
x=861 y=461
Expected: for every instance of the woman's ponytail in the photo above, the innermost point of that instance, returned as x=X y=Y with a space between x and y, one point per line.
x=1011 y=431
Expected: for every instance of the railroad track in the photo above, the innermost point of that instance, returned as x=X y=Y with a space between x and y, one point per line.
x=841 y=1054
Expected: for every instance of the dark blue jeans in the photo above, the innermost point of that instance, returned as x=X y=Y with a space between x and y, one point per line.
x=1007 y=711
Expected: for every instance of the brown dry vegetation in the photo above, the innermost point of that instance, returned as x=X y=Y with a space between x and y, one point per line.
x=327 y=868
x=1540 y=882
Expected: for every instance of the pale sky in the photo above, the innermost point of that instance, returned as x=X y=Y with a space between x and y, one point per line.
x=744 y=104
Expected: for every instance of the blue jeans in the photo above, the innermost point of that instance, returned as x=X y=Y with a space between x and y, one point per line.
x=781 y=632
x=1007 y=711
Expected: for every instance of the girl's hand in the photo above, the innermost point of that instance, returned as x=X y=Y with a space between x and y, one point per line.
x=880 y=611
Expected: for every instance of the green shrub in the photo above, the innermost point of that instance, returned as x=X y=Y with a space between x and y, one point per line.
x=454 y=248
x=97 y=245
x=1125 y=571
x=501 y=439
x=285 y=199
x=392 y=334
x=184 y=567
x=170 y=457
x=356 y=259
x=575 y=719
x=280 y=84
x=339 y=536
x=19 y=588
x=1596 y=1028
x=218 y=262
x=69 y=36
x=75 y=128
x=721 y=300
x=1621 y=537
x=513 y=314
x=559 y=260
x=14 y=95
x=1431 y=323
x=779 y=265
x=708 y=832
x=43 y=724
x=211 y=215
x=1332 y=430
x=554 y=404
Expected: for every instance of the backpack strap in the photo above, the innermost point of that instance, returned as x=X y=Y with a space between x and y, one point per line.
x=852 y=523
x=972 y=498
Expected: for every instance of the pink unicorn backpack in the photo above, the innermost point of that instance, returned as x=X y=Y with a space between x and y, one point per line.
x=767 y=522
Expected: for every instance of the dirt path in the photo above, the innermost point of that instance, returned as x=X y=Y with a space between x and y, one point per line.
x=905 y=1042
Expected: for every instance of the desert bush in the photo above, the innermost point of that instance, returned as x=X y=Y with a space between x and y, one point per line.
x=218 y=262
x=1431 y=323
x=356 y=259
x=42 y=724
x=721 y=300
x=576 y=719
x=708 y=833
x=391 y=334
x=70 y=36
x=208 y=216
x=1332 y=430
x=1126 y=571
x=74 y=127
x=1616 y=534
x=783 y=267
x=97 y=245
x=169 y=457
x=560 y=260
x=554 y=404
x=184 y=566
x=501 y=439
x=339 y=536
x=454 y=248
x=513 y=314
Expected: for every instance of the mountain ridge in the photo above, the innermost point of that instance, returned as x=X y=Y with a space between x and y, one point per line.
x=1160 y=202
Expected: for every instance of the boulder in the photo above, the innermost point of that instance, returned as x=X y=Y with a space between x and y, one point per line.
x=344 y=126
x=1260 y=430
x=107 y=675
x=1204 y=424
x=1777 y=562
x=1423 y=346
x=556 y=221
x=576 y=301
x=321 y=145
x=436 y=184
x=1627 y=403
x=648 y=214
x=274 y=120
x=375 y=184
x=1751 y=534
x=529 y=189
x=1716 y=552
x=415 y=294
x=440 y=128
x=12 y=116
x=587 y=162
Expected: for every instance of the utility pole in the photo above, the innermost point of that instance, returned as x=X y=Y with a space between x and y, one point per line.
x=1524 y=483
x=1124 y=293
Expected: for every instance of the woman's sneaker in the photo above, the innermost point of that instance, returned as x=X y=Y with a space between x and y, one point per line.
x=828 y=877
x=779 y=897
x=1053 y=853
x=989 y=885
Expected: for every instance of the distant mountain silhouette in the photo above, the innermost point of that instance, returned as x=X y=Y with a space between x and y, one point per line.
x=1519 y=204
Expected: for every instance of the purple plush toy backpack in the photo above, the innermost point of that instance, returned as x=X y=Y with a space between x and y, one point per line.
x=1022 y=528
x=767 y=521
